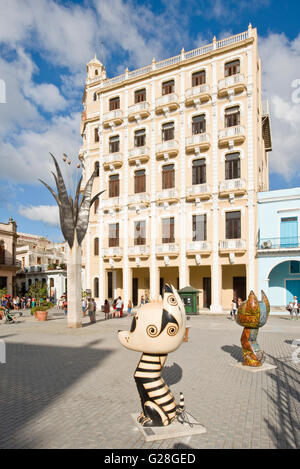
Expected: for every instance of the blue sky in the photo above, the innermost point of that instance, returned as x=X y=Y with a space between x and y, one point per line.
x=44 y=48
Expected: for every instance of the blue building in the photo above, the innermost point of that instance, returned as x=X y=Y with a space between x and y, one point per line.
x=278 y=249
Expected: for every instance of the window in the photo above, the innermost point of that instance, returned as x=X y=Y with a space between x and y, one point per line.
x=2 y=252
x=294 y=267
x=96 y=135
x=198 y=78
x=96 y=287
x=139 y=233
x=198 y=124
x=51 y=282
x=96 y=205
x=232 y=116
x=167 y=131
x=39 y=261
x=233 y=225
x=168 y=176
x=95 y=96
x=168 y=230
x=96 y=247
x=232 y=166
x=199 y=171
x=96 y=72
x=168 y=87
x=199 y=227
x=114 y=185
x=232 y=68
x=140 y=95
x=113 y=235
x=139 y=181
x=114 y=144
x=114 y=103
x=140 y=138
x=96 y=169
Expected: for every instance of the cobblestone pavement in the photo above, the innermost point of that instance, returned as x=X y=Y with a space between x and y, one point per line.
x=66 y=388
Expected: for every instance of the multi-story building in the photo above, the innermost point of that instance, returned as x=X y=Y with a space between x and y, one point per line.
x=41 y=260
x=278 y=249
x=8 y=262
x=180 y=146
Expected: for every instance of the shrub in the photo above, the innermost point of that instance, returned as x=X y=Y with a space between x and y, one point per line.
x=43 y=307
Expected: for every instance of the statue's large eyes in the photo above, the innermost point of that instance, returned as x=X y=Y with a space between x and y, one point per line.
x=172 y=300
x=172 y=330
x=152 y=330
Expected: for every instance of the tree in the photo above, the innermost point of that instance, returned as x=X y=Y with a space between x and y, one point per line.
x=38 y=290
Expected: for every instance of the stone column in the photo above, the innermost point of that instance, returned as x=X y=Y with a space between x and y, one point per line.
x=74 y=285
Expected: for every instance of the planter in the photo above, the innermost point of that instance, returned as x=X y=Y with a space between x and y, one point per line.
x=41 y=315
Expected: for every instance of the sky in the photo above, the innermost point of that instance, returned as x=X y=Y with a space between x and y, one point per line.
x=46 y=44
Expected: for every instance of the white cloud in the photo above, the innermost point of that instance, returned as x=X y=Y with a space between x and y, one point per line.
x=46 y=96
x=44 y=213
x=280 y=67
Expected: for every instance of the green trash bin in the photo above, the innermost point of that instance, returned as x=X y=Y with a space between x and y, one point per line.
x=190 y=298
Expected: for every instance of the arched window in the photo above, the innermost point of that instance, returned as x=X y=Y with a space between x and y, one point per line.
x=96 y=72
x=96 y=287
x=96 y=247
x=95 y=96
x=96 y=169
x=2 y=252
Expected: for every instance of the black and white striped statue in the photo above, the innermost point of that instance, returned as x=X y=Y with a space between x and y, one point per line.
x=156 y=330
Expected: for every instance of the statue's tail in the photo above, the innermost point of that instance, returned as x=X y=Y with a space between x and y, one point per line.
x=180 y=407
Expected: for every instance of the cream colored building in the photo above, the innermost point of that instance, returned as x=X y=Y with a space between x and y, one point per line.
x=180 y=146
x=8 y=262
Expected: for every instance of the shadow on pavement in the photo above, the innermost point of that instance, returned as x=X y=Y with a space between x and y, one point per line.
x=285 y=396
x=235 y=352
x=33 y=378
x=172 y=374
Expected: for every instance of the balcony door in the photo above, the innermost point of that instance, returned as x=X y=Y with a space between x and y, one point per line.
x=289 y=232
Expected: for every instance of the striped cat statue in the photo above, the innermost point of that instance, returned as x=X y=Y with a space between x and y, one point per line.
x=156 y=330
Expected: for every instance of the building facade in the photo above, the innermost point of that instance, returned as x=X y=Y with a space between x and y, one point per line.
x=41 y=260
x=8 y=262
x=278 y=250
x=180 y=146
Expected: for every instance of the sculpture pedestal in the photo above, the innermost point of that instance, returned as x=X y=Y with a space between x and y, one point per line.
x=74 y=286
x=255 y=369
x=174 y=430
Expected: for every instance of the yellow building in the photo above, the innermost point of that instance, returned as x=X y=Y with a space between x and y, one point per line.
x=180 y=146
x=8 y=263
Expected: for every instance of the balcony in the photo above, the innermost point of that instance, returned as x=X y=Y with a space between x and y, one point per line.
x=235 y=134
x=166 y=103
x=235 y=83
x=197 y=141
x=166 y=149
x=201 y=191
x=167 y=195
x=115 y=251
x=112 y=118
x=141 y=198
x=202 y=247
x=141 y=154
x=232 y=245
x=112 y=203
x=167 y=249
x=197 y=95
x=232 y=186
x=112 y=159
x=279 y=244
x=138 y=111
x=139 y=251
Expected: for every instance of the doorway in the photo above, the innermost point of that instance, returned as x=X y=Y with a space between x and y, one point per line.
x=239 y=287
x=135 y=289
x=206 y=292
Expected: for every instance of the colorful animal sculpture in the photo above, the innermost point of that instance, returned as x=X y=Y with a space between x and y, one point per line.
x=156 y=330
x=252 y=314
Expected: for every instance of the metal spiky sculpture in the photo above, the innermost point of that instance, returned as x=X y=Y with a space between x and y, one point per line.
x=74 y=219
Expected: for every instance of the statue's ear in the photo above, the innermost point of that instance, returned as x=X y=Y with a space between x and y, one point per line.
x=166 y=318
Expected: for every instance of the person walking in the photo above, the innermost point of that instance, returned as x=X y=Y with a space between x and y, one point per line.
x=295 y=308
x=119 y=304
x=233 y=309
x=142 y=300
x=129 y=308
x=92 y=310
x=106 y=309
